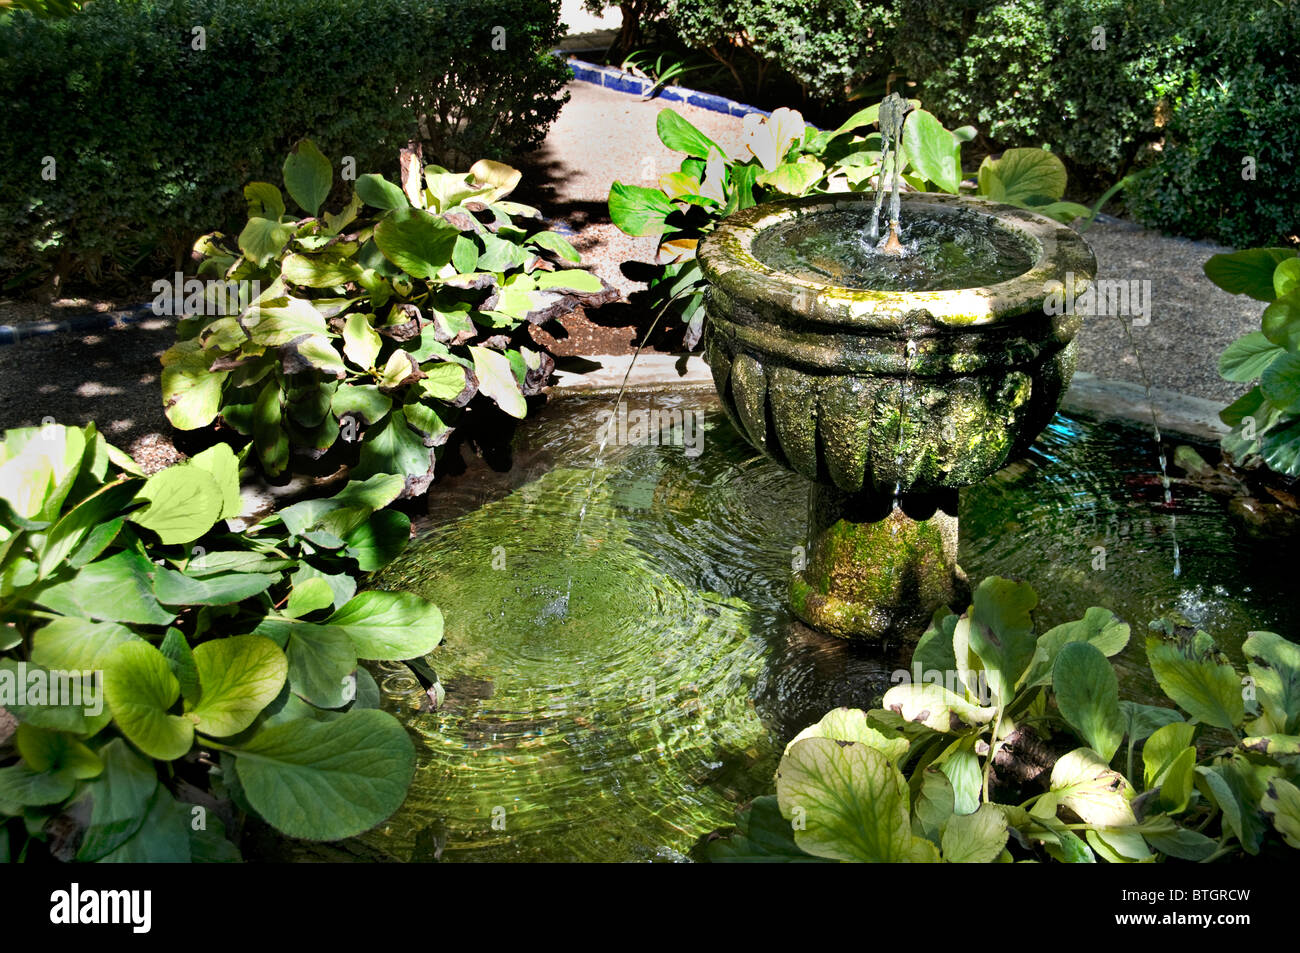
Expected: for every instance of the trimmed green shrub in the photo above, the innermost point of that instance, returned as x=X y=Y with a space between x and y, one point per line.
x=134 y=125
x=1228 y=169
x=824 y=44
x=1087 y=77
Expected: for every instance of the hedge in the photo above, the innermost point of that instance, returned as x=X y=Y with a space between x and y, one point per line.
x=133 y=125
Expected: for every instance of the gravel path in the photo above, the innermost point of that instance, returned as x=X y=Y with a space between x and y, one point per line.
x=601 y=136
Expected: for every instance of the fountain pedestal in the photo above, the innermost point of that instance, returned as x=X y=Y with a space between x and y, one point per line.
x=873 y=393
x=876 y=570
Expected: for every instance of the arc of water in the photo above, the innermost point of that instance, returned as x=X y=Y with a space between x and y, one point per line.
x=1160 y=447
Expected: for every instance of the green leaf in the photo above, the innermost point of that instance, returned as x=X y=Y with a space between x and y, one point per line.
x=77 y=645
x=1002 y=632
x=318 y=272
x=366 y=401
x=569 y=280
x=308 y=176
x=762 y=836
x=180 y=659
x=116 y=589
x=140 y=688
x=680 y=136
x=1085 y=784
x=177 y=589
x=444 y=381
x=327 y=780
x=389 y=626
x=191 y=393
x=1248 y=272
x=184 y=503
x=497 y=380
x=264 y=201
x=1280 y=321
x=309 y=595
x=935 y=803
x=56 y=752
x=1021 y=175
x=794 y=178
x=269 y=438
x=320 y=660
x=934 y=154
x=1280 y=448
x=263 y=239
x=1211 y=783
x=1162 y=749
x=238 y=677
x=220 y=462
x=163 y=838
x=393 y=448
x=120 y=799
x=1281 y=805
x=1280 y=383
x=20 y=784
x=850 y=724
x=1087 y=693
x=1274 y=663
x=556 y=243
x=1099 y=627
x=379 y=540
x=361 y=342
x=638 y=211
x=378 y=192
x=976 y=838
x=416 y=241
x=1246 y=358
x=936 y=707
x=846 y=801
x=274 y=326
x=343 y=512
x=1208 y=691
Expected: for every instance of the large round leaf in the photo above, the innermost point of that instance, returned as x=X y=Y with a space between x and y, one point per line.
x=307 y=176
x=416 y=241
x=140 y=688
x=238 y=677
x=846 y=801
x=327 y=780
x=1087 y=693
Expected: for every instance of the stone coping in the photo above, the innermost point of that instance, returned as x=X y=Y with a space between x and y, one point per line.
x=728 y=261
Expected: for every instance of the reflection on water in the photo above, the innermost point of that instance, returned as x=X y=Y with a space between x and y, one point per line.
x=624 y=722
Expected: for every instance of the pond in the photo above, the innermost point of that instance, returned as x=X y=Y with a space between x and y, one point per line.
x=618 y=682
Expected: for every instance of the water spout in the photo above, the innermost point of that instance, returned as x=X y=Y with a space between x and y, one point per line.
x=893 y=113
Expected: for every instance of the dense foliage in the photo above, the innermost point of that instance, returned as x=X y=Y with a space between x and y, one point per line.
x=368 y=330
x=1265 y=421
x=786 y=157
x=132 y=124
x=826 y=45
x=932 y=774
x=160 y=665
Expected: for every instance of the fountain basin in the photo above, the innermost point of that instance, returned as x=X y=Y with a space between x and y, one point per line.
x=882 y=394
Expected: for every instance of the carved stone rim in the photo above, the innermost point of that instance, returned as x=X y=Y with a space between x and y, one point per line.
x=728 y=262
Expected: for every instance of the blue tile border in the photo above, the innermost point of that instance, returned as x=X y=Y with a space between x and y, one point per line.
x=83 y=323
x=620 y=81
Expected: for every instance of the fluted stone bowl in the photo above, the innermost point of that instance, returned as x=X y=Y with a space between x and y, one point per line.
x=870 y=390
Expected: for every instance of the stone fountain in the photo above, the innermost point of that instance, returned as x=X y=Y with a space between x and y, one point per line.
x=890 y=387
